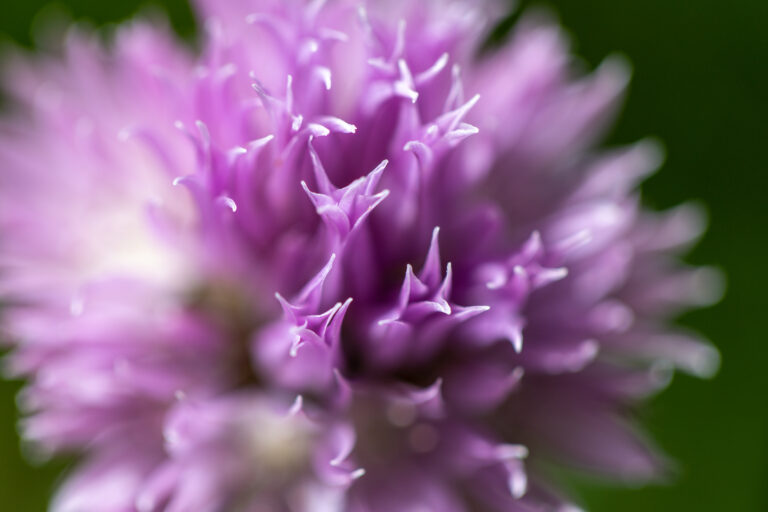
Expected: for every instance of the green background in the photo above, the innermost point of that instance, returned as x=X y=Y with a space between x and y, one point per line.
x=701 y=86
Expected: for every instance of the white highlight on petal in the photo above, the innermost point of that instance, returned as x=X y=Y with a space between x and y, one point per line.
x=336 y=124
x=332 y=35
x=515 y=336
x=433 y=71
x=296 y=122
x=297 y=406
x=511 y=451
x=259 y=143
x=324 y=74
x=518 y=484
x=318 y=130
x=399 y=46
x=228 y=202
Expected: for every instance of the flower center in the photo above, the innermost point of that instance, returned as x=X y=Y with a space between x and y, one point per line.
x=277 y=446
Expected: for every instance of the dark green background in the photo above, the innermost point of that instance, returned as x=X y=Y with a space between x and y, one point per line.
x=701 y=86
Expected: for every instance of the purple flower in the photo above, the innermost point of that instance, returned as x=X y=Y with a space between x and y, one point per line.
x=343 y=260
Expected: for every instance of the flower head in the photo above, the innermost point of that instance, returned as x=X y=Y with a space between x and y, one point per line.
x=341 y=261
